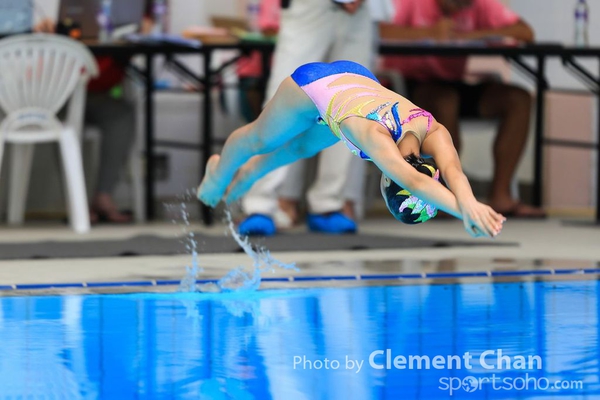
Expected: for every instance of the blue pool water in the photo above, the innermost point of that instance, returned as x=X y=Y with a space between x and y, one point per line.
x=307 y=344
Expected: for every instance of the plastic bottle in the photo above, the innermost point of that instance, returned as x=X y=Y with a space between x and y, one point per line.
x=105 y=21
x=581 y=24
x=160 y=13
x=252 y=15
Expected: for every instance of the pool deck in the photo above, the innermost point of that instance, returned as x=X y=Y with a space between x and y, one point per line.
x=549 y=247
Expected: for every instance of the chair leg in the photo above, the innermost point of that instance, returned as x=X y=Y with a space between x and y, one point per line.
x=70 y=151
x=21 y=158
x=514 y=188
x=1 y=155
x=1 y=149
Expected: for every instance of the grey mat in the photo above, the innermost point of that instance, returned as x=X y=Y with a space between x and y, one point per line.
x=154 y=245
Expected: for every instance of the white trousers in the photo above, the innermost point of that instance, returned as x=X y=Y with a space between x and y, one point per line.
x=316 y=31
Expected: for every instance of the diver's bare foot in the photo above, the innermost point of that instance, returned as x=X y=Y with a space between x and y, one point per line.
x=208 y=192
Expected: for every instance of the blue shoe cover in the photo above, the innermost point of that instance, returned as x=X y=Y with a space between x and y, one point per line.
x=257 y=225
x=331 y=223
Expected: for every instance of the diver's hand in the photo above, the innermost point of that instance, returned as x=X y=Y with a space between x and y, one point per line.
x=480 y=219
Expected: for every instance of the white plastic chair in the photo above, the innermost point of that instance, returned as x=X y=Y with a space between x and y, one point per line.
x=38 y=74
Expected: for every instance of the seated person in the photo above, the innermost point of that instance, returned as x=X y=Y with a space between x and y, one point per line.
x=115 y=117
x=436 y=82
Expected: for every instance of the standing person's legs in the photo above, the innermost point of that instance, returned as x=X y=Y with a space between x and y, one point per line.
x=305 y=36
x=356 y=176
x=326 y=194
x=290 y=193
x=329 y=192
x=354 y=189
x=513 y=106
x=116 y=120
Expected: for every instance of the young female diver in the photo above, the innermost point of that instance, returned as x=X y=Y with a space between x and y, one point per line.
x=345 y=98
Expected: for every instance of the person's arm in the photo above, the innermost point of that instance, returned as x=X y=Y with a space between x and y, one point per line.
x=375 y=141
x=438 y=144
x=520 y=31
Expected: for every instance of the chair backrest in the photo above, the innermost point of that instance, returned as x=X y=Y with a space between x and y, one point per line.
x=41 y=71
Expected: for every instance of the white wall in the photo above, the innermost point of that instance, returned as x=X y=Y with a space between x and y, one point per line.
x=555 y=21
x=184 y=13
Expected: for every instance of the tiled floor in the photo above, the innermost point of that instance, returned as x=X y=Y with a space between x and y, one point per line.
x=545 y=247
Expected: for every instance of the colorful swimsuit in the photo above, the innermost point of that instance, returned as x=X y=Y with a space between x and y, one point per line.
x=335 y=100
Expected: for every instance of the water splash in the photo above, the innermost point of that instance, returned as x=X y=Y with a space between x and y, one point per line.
x=240 y=278
x=188 y=283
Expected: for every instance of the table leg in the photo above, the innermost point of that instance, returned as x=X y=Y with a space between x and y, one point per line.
x=149 y=120
x=539 y=131
x=265 y=57
x=207 y=134
x=598 y=154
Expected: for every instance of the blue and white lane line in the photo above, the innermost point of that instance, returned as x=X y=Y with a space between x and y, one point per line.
x=316 y=278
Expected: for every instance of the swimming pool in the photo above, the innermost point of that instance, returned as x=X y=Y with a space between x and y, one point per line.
x=388 y=342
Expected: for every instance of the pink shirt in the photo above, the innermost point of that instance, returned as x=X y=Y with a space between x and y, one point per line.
x=482 y=14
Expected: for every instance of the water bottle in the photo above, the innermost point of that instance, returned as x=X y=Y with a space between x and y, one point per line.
x=159 y=13
x=252 y=15
x=581 y=24
x=105 y=21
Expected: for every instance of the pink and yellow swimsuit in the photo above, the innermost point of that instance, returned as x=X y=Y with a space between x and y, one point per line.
x=344 y=89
